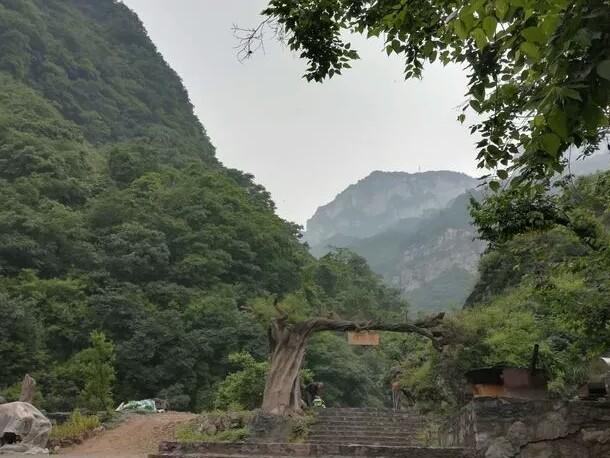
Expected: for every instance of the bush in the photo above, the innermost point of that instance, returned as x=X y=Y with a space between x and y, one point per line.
x=99 y=373
x=216 y=426
x=242 y=390
x=186 y=433
x=176 y=397
x=76 y=426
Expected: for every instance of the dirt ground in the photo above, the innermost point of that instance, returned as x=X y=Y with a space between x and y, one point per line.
x=135 y=437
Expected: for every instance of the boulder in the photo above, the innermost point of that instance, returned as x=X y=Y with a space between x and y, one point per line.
x=23 y=429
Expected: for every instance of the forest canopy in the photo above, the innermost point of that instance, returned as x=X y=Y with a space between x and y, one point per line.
x=117 y=218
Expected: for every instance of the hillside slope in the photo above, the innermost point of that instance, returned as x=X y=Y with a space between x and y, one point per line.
x=116 y=216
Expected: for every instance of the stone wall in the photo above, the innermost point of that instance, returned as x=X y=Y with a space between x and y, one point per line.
x=512 y=428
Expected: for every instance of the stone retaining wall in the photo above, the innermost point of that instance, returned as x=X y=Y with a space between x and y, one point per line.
x=512 y=428
x=175 y=449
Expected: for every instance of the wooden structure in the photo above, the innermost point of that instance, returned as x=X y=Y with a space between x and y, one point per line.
x=363 y=338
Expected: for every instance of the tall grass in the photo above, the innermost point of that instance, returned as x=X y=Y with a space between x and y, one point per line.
x=77 y=425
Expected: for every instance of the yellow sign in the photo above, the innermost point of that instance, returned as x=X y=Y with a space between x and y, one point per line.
x=363 y=338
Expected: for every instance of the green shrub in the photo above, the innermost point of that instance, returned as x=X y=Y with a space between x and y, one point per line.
x=243 y=389
x=189 y=433
x=216 y=426
x=75 y=427
x=300 y=426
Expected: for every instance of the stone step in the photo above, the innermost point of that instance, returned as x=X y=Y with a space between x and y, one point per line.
x=370 y=418
x=357 y=439
x=236 y=450
x=367 y=410
x=342 y=425
x=351 y=429
x=344 y=413
x=368 y=443
x=360 y=439
x=413 y=453
x=364 y=419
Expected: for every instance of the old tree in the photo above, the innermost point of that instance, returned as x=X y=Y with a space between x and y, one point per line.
x=288 y=344
x=294 y=318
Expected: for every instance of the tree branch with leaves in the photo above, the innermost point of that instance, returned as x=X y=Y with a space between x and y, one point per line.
x=539 y=70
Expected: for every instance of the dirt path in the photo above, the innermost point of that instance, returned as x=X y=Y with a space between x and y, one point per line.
x=137 y=436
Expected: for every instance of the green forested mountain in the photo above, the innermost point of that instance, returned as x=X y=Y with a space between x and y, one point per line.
x=115 y=216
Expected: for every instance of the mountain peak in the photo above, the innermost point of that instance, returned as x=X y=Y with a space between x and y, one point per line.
x=383 y=198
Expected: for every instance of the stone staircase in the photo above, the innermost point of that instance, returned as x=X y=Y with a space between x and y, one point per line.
x=367 y=427
x=337 y=433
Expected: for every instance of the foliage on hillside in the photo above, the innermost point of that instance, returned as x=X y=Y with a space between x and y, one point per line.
x=544 y=280
x=117 y=218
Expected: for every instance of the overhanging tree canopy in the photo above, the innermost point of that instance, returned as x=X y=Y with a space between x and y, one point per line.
x=539 y=69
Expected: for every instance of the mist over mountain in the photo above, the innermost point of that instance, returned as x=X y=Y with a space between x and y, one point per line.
x=414 y=229
x=381 y=200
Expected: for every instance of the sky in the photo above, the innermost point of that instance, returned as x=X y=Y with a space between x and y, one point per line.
x=306 y=142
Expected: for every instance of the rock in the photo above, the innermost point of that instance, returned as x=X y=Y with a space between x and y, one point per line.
x=23 y=429
x=518 y=434
x=501 y=448
x=552 y=426
x=592 y=436
x=540 y=450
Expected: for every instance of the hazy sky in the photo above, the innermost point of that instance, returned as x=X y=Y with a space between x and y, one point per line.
x=305 y=142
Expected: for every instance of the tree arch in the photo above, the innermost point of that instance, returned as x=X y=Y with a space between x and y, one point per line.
x=288 y=342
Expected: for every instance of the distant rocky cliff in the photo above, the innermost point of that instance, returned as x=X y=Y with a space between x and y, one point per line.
x=382 y=199
x=413 y=229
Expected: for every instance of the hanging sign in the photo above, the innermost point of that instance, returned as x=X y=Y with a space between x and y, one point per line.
x=364 y=338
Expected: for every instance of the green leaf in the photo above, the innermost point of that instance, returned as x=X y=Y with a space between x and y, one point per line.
x=603 y=69
x=502 y=174
x=539 y=121
x=551 y=143
x=396 y=46
x=480 y=37
x=534 y=34
x=476 y=106
x=558 y=122
x=501 y=8
x=530 y=50
x=494 y=186
x=460 y=29
x=570 y=93
x=549 y=24
x=489 y=26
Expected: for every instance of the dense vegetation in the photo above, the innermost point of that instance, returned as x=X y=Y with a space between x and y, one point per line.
x=545 y=279
x=116 y=217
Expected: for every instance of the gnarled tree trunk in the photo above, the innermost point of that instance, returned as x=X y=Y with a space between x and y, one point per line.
x=288 y=343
